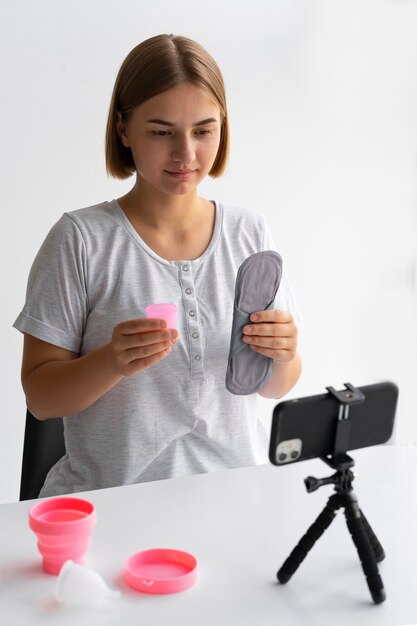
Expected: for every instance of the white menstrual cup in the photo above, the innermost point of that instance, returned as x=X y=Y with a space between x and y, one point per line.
x=164 y=311
x=82 y=585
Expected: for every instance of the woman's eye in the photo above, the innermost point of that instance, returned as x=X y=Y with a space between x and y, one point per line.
x=166 y=133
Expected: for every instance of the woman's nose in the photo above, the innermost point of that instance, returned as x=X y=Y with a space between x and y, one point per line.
x=183 y=150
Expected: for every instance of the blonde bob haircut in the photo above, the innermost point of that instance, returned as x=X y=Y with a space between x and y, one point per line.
x=152 y=67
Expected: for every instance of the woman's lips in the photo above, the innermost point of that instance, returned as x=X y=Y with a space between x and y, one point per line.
x=181 y=174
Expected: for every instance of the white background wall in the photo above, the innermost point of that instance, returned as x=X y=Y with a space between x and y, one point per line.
x=323 y=106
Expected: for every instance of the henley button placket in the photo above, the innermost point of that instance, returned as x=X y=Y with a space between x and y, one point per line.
x=186 y=281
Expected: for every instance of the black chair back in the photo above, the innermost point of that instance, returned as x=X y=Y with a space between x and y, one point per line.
x=43 y=446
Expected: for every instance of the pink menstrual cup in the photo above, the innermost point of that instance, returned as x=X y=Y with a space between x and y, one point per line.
x=161 y=571
x=164 y=311
x=63 y=527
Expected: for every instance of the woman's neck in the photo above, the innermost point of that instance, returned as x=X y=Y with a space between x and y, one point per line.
x=163 y=212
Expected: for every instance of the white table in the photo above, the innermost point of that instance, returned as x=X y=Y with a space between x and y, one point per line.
x=240 y=525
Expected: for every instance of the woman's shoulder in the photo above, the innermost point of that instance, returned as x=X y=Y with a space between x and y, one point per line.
x=236 y=213
x=243 y=219
x=89 y=221
x=96 y=212
x=83 y=224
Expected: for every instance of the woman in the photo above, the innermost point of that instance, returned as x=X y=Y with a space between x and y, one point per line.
x=142 y=402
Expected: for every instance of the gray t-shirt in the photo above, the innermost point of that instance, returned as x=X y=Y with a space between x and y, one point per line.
x=176 y=417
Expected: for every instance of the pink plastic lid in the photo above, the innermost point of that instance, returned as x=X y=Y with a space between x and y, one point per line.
x=161 y=571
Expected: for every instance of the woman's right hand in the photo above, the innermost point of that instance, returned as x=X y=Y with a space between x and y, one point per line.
x=140 y=343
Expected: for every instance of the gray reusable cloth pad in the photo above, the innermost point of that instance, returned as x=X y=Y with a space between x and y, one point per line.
x=257 y=283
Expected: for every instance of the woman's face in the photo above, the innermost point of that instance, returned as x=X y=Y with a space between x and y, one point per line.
x=174 y=138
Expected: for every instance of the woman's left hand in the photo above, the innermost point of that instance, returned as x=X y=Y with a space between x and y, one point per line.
x=273 y=334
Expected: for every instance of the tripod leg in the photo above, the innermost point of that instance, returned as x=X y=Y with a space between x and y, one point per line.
x=308 y=540
x=376 y=546
x=363 y=545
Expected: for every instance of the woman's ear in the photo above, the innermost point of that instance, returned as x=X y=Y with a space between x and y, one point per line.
x=121 y=130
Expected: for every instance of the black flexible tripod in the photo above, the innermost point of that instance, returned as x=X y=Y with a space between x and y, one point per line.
x=369 y=549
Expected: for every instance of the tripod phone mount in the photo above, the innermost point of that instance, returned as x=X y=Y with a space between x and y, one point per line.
x=369 y=549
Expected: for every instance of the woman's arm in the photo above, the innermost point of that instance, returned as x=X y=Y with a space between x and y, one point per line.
x=59 y=382
x=284 y=377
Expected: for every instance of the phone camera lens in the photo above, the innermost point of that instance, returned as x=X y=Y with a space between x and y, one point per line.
x=294 y=454
x=282 y=457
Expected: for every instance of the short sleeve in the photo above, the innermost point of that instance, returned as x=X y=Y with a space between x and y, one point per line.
x=56 y=305
x=285 y=299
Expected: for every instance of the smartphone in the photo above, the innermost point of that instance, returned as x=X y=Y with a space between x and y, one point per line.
x=305 y=428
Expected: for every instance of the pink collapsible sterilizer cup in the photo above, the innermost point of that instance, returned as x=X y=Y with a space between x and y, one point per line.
x=164 y=311
x=63 y=527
